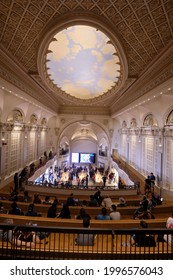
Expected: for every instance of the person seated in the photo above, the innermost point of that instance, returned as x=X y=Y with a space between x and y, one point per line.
x=158 y=200
x=82 y=215
x=142 y=239
x=92 y=202
x=169 y=237
x=103 y=215
x=15 y=210
x=122 y=202
x=84 y=203
x=56 y=201
x=144 y=203
x=26 y=238
x=85 y=239
x=47 y=200
x=26 y=197
x=146 y=215
x=31 y=211
x=114 y=215
x=71 y=201
x=2 y=209
x=14 y=196
x=52 y=211
x=107 y=202
x=65 y=212
x=7 y=235
x=37 y=199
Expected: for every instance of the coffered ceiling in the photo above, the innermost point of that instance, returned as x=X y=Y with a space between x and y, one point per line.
x=141 y=30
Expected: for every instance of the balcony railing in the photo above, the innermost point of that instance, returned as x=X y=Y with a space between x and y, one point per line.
x=62 y=243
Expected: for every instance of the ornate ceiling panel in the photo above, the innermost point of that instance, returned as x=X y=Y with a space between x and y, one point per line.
x=144 y=29
x=78 y=130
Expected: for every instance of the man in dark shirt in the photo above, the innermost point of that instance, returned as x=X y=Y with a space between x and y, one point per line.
x=142 y=239
x=31 y=211
x=152 y=180
x=15 y=210
x=71 y=201
x=98 y=197
x=147 y=185
x=144 y=203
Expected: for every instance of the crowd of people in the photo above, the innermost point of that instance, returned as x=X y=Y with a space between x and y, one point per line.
x=144 y=210
x=108 y=210
x=80 y=176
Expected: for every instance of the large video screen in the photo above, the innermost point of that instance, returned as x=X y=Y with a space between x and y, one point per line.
x=75 y=157
x=87 y=158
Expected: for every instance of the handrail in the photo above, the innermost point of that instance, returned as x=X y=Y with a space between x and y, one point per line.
x=108 y=244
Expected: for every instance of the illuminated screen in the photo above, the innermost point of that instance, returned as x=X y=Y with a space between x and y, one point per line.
x=87 y=158
x=75 y=157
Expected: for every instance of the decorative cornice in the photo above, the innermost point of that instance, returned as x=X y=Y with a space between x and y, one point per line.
x=17 y=77
x=80 y=110
x=160 y=72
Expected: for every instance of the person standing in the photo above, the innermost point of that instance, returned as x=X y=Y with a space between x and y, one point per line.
x=98 y=197
x=147 y=185
x=86 y=180
x=16 y=182
x=152 y=180
x=104 y=178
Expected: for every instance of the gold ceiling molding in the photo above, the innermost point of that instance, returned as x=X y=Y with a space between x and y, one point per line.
x=76 y=110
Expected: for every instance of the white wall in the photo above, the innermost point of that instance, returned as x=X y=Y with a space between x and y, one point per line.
x=84 y=146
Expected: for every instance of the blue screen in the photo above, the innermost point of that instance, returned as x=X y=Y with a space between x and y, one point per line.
x=87 y=158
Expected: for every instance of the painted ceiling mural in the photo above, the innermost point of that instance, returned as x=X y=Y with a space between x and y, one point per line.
x=82 y=62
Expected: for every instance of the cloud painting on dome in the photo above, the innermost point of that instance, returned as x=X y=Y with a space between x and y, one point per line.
x=82 y=62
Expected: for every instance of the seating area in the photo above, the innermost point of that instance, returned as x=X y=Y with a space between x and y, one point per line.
x=126 y=212
x=112 y=236
x=74 y=223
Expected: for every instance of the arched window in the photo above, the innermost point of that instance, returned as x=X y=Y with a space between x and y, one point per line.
x=169 y=120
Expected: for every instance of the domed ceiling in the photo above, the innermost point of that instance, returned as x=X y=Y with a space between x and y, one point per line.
x=82 y=62
x=125 y=54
